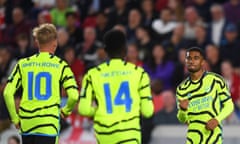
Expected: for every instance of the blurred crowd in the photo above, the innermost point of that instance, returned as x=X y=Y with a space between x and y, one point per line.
x=158 y=33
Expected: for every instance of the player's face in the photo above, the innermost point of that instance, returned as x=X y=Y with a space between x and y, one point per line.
x=194 y=61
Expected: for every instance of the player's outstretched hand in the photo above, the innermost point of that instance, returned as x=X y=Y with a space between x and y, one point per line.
x=183 y=104
x=212 y=124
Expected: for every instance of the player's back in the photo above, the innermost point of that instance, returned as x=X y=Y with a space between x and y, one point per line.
x=40 y=104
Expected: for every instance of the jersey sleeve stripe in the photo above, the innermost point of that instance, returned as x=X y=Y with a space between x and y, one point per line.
x=202 y=112
x=40 y=108
x=18 y=82
x=209 y=137
x=15 y=72
x=143 y=87
x=85 y=89
x=71 y=87
x=217 y=138
x=148 y=98
x=223 y=101
x=190 y=140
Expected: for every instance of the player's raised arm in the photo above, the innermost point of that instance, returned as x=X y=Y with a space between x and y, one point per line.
x=71 y=88
x=13 y=83
x=85 y=107
x=145 y=93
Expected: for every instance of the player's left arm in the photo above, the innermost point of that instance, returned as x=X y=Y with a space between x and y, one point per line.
x=13 y=83
x=145 y=95
x=85 y=107
x=70 y=85
x=225 y=100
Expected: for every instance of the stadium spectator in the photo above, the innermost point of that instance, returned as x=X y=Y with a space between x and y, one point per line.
x=118 y=14
x=217 y=25
x=101 y=25
x=203 y=9
x=134 y=20
x=58 y=13
x=148 y=13
x=213 y=58
x=168 y=114
x=87 y=49
x=73 y=28
x=44 y=17
x=133 y=55
x=191 y=20
x=201 y=36
x=180 y=72
x=63 y=41
x=144 y=43
x=173 y=45
x=23 y=47
x=230 y=46
x=158 y=67
x=177 y=8
x=232 y=10
x=19 y=26
x=164 y=26
x=76 y=65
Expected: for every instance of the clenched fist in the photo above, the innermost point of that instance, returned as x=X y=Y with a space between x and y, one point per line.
x=183 y=104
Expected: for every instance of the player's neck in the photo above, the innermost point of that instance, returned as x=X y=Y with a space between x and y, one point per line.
x=197 y=75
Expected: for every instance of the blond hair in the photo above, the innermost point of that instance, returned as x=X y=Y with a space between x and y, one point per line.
x=45 y=33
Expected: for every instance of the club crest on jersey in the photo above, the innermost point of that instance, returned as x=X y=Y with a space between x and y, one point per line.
x=207 y=89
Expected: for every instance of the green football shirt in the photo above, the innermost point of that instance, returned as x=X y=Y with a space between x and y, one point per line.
x=208 y=98
x=115 y=93
x=41 y=77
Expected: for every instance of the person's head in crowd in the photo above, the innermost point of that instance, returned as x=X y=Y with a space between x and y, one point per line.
x=46 y=37
x=69 y=55
x=120 y=27
x=134 y=18
x=17 y=15
x=89 y=34
x=71 y=19
x=217 y=12
x=158 y=54
x=132 y=53
x=5 y=55
x=147 y=6
x=101 y=19
x=231 y=32
x=177 y=7
x=169 y=100
x=166 y=15
x=101 y=54
x=61 y=4
x=191 y=15
x=115 y=44
x=200 y=32
x=182 y=55
x=227 y=69
x=120 y=4
x=234 y=2
x=200 y=2
x=179 y=30
x=14 y=140
x=212 y=53
x=156 y=86
x=44 y=17
x=142 y=33
x=62 y=37
x=22 y=42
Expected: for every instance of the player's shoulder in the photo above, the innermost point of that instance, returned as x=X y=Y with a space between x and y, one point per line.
x=213 y=75
x=184 y=83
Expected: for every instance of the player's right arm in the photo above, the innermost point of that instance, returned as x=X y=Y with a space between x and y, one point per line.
x=69 y=84
x=182 y=105
x=85 y=107
x=145 y=94
x=13 y=83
